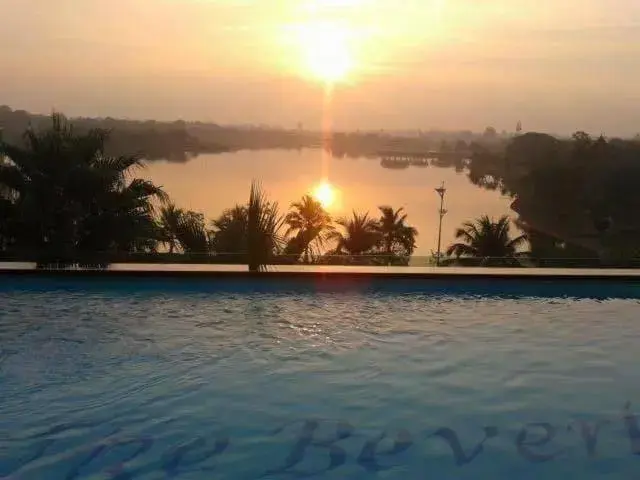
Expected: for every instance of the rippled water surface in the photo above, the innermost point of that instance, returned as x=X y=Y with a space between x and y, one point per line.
x=208 y=380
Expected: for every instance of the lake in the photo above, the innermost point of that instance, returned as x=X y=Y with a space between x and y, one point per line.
x=211 y=183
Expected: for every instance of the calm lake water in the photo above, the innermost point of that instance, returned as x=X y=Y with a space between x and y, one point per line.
x=210 y=183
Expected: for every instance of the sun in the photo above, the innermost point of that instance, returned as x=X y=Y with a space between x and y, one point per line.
x=325 y=194
x=326 y=51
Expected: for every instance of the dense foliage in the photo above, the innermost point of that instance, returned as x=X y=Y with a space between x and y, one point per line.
x=65 y=199
x=68 y=202
x=312 y=226
x=583 y=191
x=65 y=202
x=487 y=239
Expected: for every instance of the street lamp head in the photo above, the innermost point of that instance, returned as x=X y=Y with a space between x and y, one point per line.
x=441 y=191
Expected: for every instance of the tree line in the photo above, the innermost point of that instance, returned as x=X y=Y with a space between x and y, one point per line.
x=257 y=233
x=65 y=201
x=179 y=141
x=576 y=198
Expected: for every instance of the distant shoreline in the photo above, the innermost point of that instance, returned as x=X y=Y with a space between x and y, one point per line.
x=180 y=140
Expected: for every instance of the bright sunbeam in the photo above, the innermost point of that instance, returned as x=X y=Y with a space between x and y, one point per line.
x=325 y=50
x=325 y=194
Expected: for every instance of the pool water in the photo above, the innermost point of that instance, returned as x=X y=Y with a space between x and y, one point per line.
x=142 y=379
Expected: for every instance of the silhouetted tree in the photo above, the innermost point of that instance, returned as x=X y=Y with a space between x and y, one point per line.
x=486 y=238
x=582 y=191
x=251 y=232
x=490 y=133
x=461 y=146
x=192 y=234
x=548 y=250
x=230 y=231
x=397 y=239
x=263 y=229
x=170 y=218
x=70 y=203
x=445 y=146
x=360 y=235
x=311 y=224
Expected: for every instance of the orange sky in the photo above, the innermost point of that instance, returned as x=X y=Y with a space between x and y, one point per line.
x=557 y=65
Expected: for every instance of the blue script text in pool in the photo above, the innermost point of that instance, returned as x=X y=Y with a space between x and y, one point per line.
x=533 y=443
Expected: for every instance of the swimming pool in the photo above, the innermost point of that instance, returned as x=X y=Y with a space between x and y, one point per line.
x=134 y=378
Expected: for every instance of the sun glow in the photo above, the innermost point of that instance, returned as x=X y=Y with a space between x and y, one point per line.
x=318 y=4
x=325 y=194
x=326 y=51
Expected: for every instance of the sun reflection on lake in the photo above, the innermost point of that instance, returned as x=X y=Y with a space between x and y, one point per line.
x=325 y=193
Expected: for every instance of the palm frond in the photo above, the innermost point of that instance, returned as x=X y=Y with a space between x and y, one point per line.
x=518 y=242
x=461 y=249
x=263 y=233
x=68 y=198
x=486 y=238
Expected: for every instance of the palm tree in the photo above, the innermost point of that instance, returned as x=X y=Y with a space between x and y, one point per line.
x=229 y=237
x=183 y=230
x=249 y=232
x=397 y=238
x=124 y=220
x=70 y=202
x=486 y=238
x=192 y=234
x=360 y=235
x=169 y=221
x=311 y=225
x=264 y=223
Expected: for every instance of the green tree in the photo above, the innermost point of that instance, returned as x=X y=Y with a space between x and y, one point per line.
x=311 y=225
x=70 y=202
x=486 y=238
x=397 y=239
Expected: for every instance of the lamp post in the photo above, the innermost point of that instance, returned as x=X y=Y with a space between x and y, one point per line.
x=441 y=191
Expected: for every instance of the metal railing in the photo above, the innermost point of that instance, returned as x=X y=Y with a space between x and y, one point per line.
x=104 y=259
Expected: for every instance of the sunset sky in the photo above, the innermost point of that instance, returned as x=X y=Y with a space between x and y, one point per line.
x=557 y=65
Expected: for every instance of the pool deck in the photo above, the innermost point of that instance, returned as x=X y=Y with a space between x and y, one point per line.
x=328 y=272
